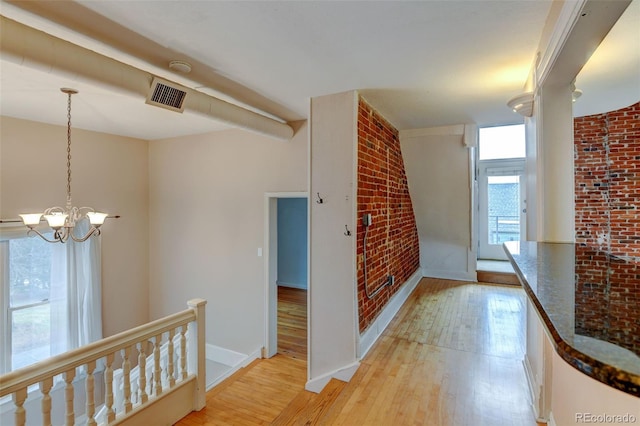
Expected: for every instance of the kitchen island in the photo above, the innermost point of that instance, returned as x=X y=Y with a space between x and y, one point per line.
x=583 y=315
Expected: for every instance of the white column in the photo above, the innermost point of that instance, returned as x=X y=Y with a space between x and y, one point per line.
x=555 y=174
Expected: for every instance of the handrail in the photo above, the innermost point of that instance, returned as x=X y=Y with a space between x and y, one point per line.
x=26 y=376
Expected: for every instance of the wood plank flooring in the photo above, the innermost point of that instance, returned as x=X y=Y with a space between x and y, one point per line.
x=452 y=356
x=292 y=322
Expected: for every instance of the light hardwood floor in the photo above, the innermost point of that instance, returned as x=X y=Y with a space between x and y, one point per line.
x=452 y=356
x=292 y=322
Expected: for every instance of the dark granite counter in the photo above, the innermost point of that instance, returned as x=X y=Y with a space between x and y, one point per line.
x=589 y=302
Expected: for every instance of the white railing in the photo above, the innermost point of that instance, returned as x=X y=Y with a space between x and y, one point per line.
x=162 y=359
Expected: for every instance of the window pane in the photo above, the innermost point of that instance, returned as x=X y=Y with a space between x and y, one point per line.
x=29 y=271
x=502 y=142
x=30 y=335
x=504 y=209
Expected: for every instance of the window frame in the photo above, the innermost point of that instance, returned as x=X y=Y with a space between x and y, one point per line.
x=6 y=403
x=91 y=306
x=6 y=324
x=5 y=332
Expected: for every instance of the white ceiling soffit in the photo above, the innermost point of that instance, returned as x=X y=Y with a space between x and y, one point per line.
x=35 y=49
x=611 y=78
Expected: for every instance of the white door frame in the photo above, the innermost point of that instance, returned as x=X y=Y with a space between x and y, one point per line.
x=270 y=254
x=486 y=251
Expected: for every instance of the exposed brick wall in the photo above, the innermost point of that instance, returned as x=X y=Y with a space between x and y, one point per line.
x=392 y=240
x=607 y=298
x=607 y=181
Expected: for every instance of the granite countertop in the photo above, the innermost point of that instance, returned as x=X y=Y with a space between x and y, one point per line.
x=589 y=302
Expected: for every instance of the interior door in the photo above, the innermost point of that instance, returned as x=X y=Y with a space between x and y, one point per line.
x=502 y=206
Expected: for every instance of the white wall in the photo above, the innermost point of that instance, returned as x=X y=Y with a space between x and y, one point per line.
x=438 y=168
x=207 y=223
x=332 y=284
x=110 y=174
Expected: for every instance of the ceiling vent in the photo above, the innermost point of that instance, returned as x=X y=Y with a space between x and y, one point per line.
x=165 y=94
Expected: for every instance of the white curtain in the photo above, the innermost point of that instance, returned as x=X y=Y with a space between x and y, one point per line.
x=76 y=292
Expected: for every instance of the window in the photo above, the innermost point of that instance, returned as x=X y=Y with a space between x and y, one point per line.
x=501 y=142
x=51 y=298
x=26 y=295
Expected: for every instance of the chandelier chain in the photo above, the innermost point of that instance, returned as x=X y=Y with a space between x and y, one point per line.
x=69 y=150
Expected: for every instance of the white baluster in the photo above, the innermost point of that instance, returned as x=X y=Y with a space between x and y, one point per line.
x=157 y=371
x=108 y=382
x=170 y=370
x=68 y=396
x=126 y=369
x=45 y=388
x=183 y=352
x=142 y=366
x=19 y=397
x=91 y=402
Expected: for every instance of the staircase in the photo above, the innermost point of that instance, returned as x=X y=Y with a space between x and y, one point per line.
x=268 y=391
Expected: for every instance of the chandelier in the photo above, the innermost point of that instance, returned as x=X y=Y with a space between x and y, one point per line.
x=63 y=221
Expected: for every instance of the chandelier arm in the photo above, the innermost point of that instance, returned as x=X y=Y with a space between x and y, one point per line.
x=55 y=209
x=57 y=237
x=92 y=231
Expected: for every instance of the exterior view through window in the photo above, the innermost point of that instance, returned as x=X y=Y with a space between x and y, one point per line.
x=501 y=194
x=26 y=293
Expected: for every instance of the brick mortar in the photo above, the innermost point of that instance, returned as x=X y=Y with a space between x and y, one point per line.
x=392 y=241
x=607 y=181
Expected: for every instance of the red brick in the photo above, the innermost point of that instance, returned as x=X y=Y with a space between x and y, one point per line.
x=392 y=240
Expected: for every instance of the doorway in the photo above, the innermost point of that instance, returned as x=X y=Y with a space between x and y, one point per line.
x=501 y=189
x=286 y=274
x=502 y=206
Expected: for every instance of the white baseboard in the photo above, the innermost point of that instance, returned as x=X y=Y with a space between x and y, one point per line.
x=450 y=275
x=301 y=286
x=235 y=360
x=225 y=356
x=532 y=384
x=345 y=374
x=373 y=332
x=551 y=421
x=534 y=390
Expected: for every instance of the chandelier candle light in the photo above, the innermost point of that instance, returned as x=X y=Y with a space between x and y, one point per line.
x=64 y=220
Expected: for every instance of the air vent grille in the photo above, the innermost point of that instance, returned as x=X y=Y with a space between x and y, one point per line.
x=166 y=95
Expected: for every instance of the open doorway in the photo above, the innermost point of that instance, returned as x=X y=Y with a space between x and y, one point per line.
x=287 y=249
x=501 y=198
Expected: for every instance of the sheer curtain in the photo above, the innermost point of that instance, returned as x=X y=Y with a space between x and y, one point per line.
x=76 y=293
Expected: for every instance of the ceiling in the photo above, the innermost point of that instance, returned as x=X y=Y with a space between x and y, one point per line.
x=421 y=64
